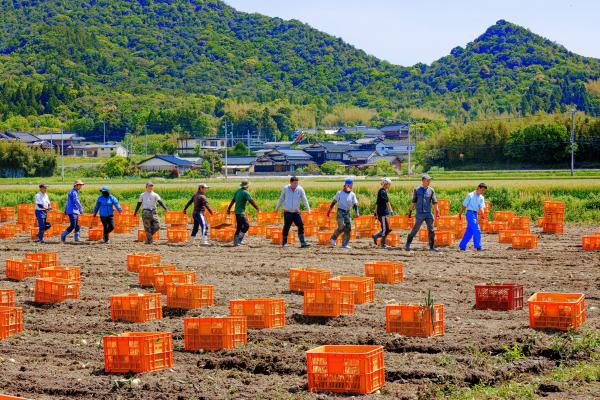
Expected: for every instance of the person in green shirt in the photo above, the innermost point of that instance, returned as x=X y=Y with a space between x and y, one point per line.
x=241 y=198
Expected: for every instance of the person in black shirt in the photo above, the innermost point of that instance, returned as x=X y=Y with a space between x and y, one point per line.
x=383 y=211
x=200 y=204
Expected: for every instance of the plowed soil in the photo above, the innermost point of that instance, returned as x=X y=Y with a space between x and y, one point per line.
x=59 y=355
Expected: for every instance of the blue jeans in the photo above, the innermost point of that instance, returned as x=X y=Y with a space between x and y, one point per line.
x=42 y=224
x=73 y=224
x=472 y=232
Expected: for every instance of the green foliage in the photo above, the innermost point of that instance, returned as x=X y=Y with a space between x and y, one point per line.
x=240 y=149
x=381 y=168
x=333 y=168
x=514 y=353
x=118 y=166
x=211 y=163
x=154 y=144
x=571 y=344
x=539 y=143
x=17 y=159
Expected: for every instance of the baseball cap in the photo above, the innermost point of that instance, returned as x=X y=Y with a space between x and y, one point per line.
x=294 y=178
x=203 y=185
x=348 y=181
x=425 y=177
x=385 y=181
x=43 y=185
x=105 y=189
x=149 y=184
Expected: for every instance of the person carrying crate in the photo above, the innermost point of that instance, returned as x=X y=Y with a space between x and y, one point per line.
x=290 y=198
x=73 y=210
x=105 y=205
x=241 y=198
x=345 y=199
x=474 y=202
x=383 y=211
x=423 y=198
x=148 y=201
x=200 y=204
x=42 y=206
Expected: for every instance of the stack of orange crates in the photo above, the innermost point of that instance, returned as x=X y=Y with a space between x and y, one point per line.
x=324 y=237
x=189 y=296
x=19 y=270
x=392 y=240
x=385 y=271
x=362 y=286
x=178 y=218
x=563 y=311
x=503 y=216
x=223 y=234
x=55 y=290
x=95 y=234
x=328 y=302
x=56 y=217
x=141 y=235
x=442 y=238
x=26 y=215
x=310 y=230
x=138 y=352
x=162 y=279
x=494 y=226
x=177 y=235
x=7 y=298
x=7 y=214
x=554 y=217
x=345 y=369
x=520 y=223
x=277 y=237
x=590 y=242
x=61 y=271
x=506 y=235
x=414 y=320
x=11 y=321
x=270 y=230
x=88 y=220
x=214 y=333
x=444 y=207
x=257 y=230
x=402 y=222
x=9 y=231
x=524 y=241
x=135 y=307
x=45 y=259
x=260 y=313
x=146 y=273
x=308 y=278
x=136 y=259
x=364 y=224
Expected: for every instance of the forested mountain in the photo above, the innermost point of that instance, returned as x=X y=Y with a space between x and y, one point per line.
x=63 y=57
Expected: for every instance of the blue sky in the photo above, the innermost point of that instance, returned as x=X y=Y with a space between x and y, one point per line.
x=407 y=32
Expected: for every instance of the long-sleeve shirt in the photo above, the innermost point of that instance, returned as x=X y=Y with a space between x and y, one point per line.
x=105 y=206
x=73 y=205
x=200 y=203
x=291 y=198
x=42 y=201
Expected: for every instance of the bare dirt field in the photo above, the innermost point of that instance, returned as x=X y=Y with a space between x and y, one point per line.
x=59 y=355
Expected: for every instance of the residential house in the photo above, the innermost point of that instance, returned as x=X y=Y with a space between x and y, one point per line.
x=394 y=160
x=99 y=150
x=367 y=131
x=367 y=143
x=64 y=141
x=25 y=138
x=395 y=148
x=329 y=151
x=358 y=157
x=237 y=165
x=280 y=160
x=396 y=131
x=165 y=162
x=190 y=145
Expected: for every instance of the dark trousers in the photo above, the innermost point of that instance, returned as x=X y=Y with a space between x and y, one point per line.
x=108 y=223
x=290 y=218
x=430 y=228
x=73 y=223
x=200 y=223
x=384 y=221
x=42 y=224
x=242 y=224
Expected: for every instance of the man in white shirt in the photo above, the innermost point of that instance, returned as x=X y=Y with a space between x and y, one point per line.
x=42 y=206
x=291 y=196
x=472 y=204
x=148 y=201
x=345 y=199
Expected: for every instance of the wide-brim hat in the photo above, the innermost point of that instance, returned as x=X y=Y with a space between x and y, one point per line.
x=244 y=184
x=78 y=182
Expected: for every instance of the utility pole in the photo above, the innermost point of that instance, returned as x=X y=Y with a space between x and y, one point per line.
x=225 y=127
x=408 y=169
x=146 y=138
x=248 y=135
x=104 y=130
x=62 y=157
x=572 y=141
x=129 y=143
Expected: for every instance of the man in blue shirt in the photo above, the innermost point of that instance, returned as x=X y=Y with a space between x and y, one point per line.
x=423 y=198
x=472 y=204
x=73 y=209
x=106 y=204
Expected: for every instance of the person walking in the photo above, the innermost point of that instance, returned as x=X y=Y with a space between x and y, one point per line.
x=346 y=200
x=42 y=206
x=241 y=198
x=200 y=204
x=383 y=210
x=105 y=205
x=423 y=198
x=73 y=210
x=474 y=202
x=290 y=198
x=148 y=201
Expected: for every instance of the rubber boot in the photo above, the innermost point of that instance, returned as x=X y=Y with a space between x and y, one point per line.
x=408 y=242
x=241 y=238
x=383 y=246
x=303 y=243
x=63 y=236
x=284 y=241
x=77 y=236
x=432 y=244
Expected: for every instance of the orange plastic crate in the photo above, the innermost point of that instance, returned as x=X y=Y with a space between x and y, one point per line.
x=7 y=298
x=61 y=271
x=46 y=259
x=519 y=222
x=135 y=307
x=7 y=214
x=122 y=229
x=55 y=217
x=414 y=320
x=55 y=290
x=504 y=216
x=308 y=278
x=126 y=219
x=11 y=321
x=554 y=219
x=444 y=207
x=257 y=230
x=177 y=235
x=88 y=220
x=223 y=234
x=548 y=227
x=554 y=207
x=136 y=259
x=260 y=313
x=392 y=240
x=162 y=279
x=95 y=234
x=328 y=302
x=385 y=271
x=561 y=311
x=499 y=297
x=141 y=235
x=345 y=369
x=524 y=241
x=401 y=222
x=146 y=273
x=277 y=238
x=540 y=222
x=270 y=230
x=448 y=222
x=176 y=218
x=56 y=230
x=19 y=270
x=189 y=296
x=138 y=352
x=7 y=233
x=364 y=222
x=444 y=238
x=494 y=226
x=310 y=230
x=310 y=218
x=506 y=235
x=590 y=242
x=324 y=237
x=362 y=286
x=214 y=333
x=5 y=397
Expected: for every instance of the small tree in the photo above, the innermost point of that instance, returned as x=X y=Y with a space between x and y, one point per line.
x=312 y=168
x=332 y=168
